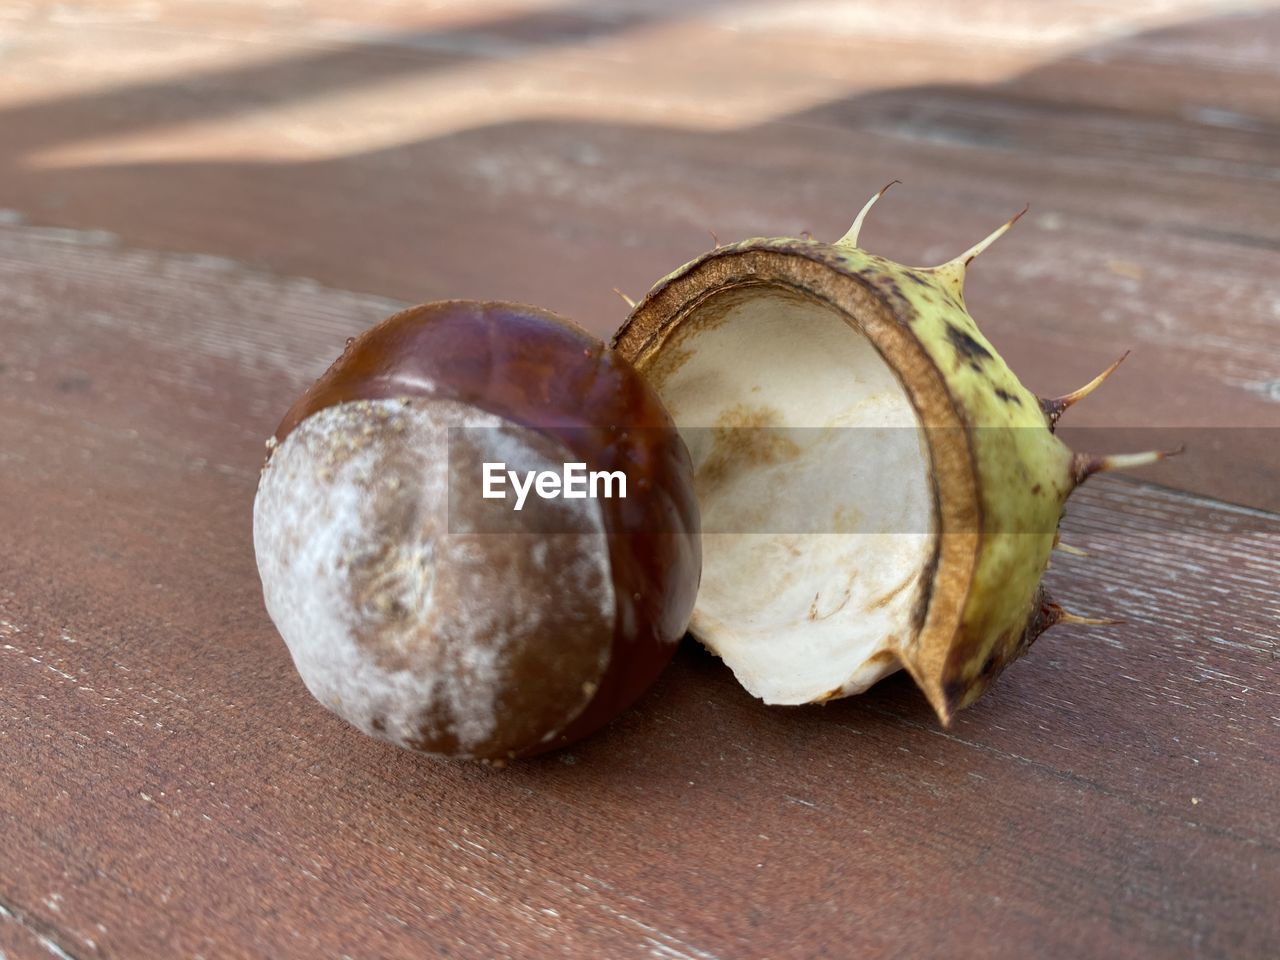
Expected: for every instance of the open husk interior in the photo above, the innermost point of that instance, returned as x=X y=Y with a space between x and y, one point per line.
x=878 y=489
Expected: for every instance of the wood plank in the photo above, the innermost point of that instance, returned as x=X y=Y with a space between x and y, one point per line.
x=171 y=789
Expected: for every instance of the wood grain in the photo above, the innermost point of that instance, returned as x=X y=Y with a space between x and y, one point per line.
x=194 y=192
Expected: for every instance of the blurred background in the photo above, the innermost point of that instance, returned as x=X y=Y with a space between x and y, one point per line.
x=550 y=151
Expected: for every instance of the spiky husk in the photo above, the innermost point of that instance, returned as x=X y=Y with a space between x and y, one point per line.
x=1000 y=476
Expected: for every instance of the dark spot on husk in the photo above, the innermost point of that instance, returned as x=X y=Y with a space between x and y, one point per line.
x=1044 y=614
x=889 y=284
x=1036 y=489
x=966 y=345
x=920 y=611
x=915 y=278
x=1007 y=397
x=998 y=659
x=953 y=691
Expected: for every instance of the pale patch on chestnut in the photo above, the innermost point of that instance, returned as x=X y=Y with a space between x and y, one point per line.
x=450 y=640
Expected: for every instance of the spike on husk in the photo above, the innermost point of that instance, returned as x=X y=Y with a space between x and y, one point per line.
x=878 y=489
x=1069 y=550
x=952 y=273
x=1085 y=465
x=1055 y=407
x=850 y=238
x=1065 y=616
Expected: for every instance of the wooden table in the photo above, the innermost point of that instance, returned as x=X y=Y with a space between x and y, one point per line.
x=202 y=200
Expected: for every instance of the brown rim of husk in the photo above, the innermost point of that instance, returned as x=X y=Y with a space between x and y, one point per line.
x=802 y=268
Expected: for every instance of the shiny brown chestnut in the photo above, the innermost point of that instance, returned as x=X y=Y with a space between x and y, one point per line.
x=438 y=619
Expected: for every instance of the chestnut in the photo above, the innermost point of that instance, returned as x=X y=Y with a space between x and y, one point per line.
x=416 y=601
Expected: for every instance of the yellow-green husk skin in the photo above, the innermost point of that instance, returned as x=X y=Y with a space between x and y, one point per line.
x=1024 y=472
x=1000 y=475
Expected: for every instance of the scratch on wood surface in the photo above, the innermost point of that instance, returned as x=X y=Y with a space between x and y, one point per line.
x=800 y=802
x=40 y=932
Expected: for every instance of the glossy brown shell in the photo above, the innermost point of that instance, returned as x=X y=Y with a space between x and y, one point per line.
x=537 y=370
